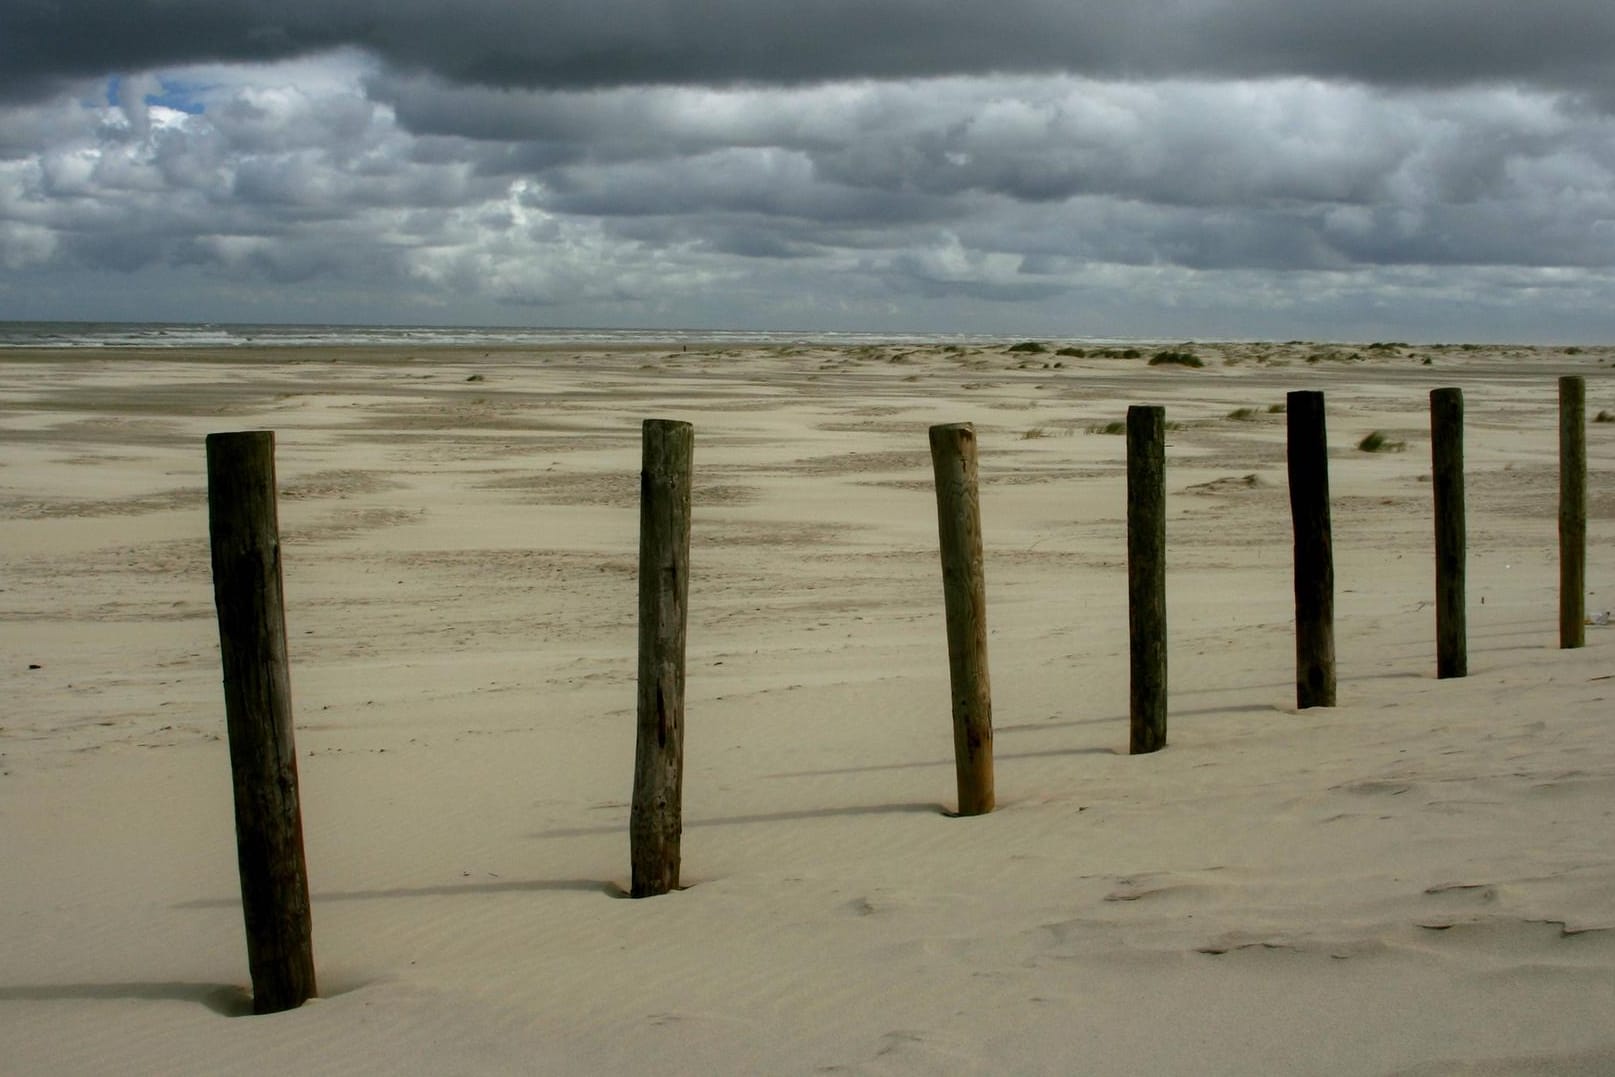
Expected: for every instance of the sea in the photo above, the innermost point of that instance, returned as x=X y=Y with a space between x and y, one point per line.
x=222 y=335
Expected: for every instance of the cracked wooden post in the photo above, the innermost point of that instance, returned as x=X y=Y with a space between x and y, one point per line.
x=1146 y=577
x=1447 y=479
x=1572 y=511
x=245 y=538
x=964 y=592
x=656 y=820
x=1308 y=453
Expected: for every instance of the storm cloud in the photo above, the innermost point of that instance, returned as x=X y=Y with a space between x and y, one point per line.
x=1559 y=44
x=1233 y=168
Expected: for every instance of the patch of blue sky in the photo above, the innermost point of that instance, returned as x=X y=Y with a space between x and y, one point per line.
x=177 y=94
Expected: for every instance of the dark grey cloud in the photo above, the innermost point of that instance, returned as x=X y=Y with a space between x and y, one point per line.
x=1247 y=158
x=772 y=183
x=1557 y=44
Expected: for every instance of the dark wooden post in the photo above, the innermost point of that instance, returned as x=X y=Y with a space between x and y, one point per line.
x=245 y=537
x=1146 y=576
x=964 y=592
x=656 y=820
x=1447 y=469
x=1572 y=511
x=1314 y=550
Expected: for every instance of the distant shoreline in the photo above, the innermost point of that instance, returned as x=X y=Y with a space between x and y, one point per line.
x=169 y=337
x=121 y=336
x=1054 y=355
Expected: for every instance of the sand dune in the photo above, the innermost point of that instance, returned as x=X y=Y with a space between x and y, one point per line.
x=1419 y=881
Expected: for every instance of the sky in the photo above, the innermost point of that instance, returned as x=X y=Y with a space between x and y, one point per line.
x=1421 y=170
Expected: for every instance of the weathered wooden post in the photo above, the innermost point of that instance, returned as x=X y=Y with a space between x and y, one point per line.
x=1314 y=550
x=1447 y=474
x=245 y=537
x=964 y=592
x=1572 y=511
x=1146 y=576
x=656 y=819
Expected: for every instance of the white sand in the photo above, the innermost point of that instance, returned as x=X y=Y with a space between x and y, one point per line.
x=1419 y=881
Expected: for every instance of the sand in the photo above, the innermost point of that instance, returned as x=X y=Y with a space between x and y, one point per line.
x=1418 y=881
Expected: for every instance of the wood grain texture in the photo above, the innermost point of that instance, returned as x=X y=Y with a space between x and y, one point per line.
x=245 y=539
x=964 y=591
x=656 y=818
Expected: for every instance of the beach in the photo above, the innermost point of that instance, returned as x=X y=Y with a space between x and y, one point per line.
x=1419 y=880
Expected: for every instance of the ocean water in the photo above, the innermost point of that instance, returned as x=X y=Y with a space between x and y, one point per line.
x=218 y=335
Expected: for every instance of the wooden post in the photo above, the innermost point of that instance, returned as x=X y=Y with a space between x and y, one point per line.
x=1314 y=550
x=964 y=592
x=1146 y=576
x=1572 y=511
x=245 y=538
x=656 y=820
x=1447 y=472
